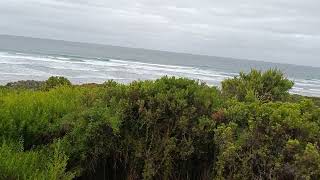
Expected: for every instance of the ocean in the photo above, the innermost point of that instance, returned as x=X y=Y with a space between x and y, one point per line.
x=24 y=58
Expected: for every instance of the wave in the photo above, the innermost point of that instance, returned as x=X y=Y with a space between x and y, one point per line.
x=99 y=69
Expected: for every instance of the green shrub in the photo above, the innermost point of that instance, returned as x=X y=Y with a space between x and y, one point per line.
x=32 y=115
x=55 y=81
x=268 y=141
x=29 y=84
x=167 y=128
x=271 y=85
x=170 y=128
x=17 y=164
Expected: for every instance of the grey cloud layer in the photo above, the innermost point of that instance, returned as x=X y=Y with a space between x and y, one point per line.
x=272 y=30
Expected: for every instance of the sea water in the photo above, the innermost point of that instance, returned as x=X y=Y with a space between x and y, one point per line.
x=37 y=59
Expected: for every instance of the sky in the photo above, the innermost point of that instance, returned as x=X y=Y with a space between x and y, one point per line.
x=283 y=31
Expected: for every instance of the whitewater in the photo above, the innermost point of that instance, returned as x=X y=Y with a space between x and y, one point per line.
x=16 y=66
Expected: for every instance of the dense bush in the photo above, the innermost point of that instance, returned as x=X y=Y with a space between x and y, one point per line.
x=34 y=116
x=272 y=140
x=167 y=129
x=55 y=81
x=271 y=85
x=35 y=164
x=29 y=84
x=170 y=128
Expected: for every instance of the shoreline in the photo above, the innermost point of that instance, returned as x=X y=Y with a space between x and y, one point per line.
x=26 y=83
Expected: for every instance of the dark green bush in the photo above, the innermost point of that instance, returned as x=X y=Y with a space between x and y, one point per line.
x=272 y=141
x=55 y=81
x=167 y=129
x=29 y=84
x=170 y=128
x=271 y=85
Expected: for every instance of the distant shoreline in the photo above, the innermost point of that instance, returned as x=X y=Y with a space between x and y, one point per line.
x=34 y=84
x=37 y=59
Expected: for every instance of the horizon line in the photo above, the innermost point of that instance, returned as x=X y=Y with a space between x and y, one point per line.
x=158 y=50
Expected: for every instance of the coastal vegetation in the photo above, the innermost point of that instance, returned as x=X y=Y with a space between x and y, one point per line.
x=170 y=128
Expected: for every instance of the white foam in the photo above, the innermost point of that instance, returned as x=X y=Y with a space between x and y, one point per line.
x=15 y=66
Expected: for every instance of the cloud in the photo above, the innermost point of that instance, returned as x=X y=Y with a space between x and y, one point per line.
x=285 y=31
x=183 y=10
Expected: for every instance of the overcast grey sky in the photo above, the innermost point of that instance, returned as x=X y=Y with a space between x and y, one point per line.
x=286 y=31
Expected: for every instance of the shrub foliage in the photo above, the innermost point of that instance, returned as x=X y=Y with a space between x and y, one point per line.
x=271 y=85
x=170 y=128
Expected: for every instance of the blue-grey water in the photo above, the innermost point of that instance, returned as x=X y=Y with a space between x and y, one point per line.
x=37 y=59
